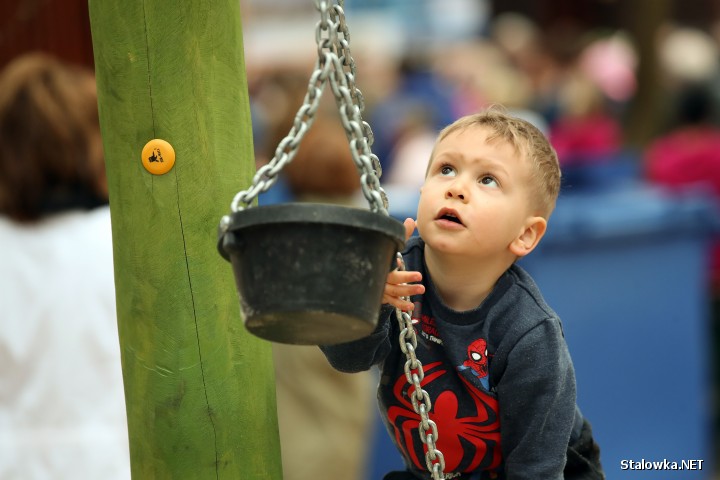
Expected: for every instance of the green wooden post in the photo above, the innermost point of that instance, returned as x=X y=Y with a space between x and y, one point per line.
x=199 y=390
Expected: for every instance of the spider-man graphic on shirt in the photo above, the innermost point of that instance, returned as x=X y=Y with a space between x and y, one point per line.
x=466 y=415
x=477 y=361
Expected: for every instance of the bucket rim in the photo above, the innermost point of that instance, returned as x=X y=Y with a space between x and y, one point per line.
x=313 y=213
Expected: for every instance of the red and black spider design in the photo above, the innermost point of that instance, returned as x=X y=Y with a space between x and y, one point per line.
x=468 y=440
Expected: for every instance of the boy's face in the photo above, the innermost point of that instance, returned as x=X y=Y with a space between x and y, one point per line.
x=475 y=199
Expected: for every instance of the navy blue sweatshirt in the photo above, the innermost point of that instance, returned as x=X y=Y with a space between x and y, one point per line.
x=499 y=376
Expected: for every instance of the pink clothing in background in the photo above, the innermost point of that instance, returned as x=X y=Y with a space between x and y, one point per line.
x=585 y=139
x=688 y=156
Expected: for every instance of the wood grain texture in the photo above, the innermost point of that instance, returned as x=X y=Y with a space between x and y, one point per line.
x=199 y=390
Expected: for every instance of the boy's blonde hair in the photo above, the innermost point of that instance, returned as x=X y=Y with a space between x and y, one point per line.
x=527 y=141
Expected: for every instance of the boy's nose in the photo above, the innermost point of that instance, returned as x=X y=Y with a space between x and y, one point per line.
x=450 y=194
x=456 y=190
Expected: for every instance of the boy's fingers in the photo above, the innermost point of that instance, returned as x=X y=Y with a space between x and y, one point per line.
x=403 y=290
x=397 y=277
x=398 y=303
x=399 y=281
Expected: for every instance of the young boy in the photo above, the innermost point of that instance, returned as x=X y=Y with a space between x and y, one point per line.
x=496 y=364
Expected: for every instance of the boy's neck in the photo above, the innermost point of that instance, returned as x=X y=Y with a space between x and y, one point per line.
x=462 y=284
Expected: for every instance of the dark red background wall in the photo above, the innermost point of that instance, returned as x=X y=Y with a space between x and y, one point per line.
x=59 y=27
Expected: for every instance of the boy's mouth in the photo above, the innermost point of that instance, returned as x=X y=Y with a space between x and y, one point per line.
x=449 y=215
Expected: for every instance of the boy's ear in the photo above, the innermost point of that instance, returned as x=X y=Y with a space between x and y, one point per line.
x=529 y=237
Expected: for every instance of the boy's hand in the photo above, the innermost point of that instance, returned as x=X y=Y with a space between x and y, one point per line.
x=397 y=281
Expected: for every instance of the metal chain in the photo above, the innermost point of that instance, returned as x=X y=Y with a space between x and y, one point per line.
x=434 y=459
x=351 y=103
x=334 y=62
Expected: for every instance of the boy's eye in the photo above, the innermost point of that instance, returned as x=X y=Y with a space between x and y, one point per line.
x=447 y=170
x=489 y=181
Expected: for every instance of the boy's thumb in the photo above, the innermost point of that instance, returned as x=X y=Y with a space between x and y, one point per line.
x=409 y=227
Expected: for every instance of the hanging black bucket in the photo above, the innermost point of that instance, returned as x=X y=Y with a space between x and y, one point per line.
x=310 y=274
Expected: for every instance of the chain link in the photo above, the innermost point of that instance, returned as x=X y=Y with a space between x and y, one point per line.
x=334 y=63
x=420 y=399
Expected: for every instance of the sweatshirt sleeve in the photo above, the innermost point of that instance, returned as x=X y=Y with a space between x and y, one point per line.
x=360 y=355
x=537 y=396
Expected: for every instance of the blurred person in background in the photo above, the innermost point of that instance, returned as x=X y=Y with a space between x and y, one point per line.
x=325 y=417
x=530 y=51
x=689 y=152
x=585 y=130
x=62 y=409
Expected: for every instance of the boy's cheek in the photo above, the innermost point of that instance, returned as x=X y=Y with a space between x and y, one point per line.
x=421 y=214
x=421 y=223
